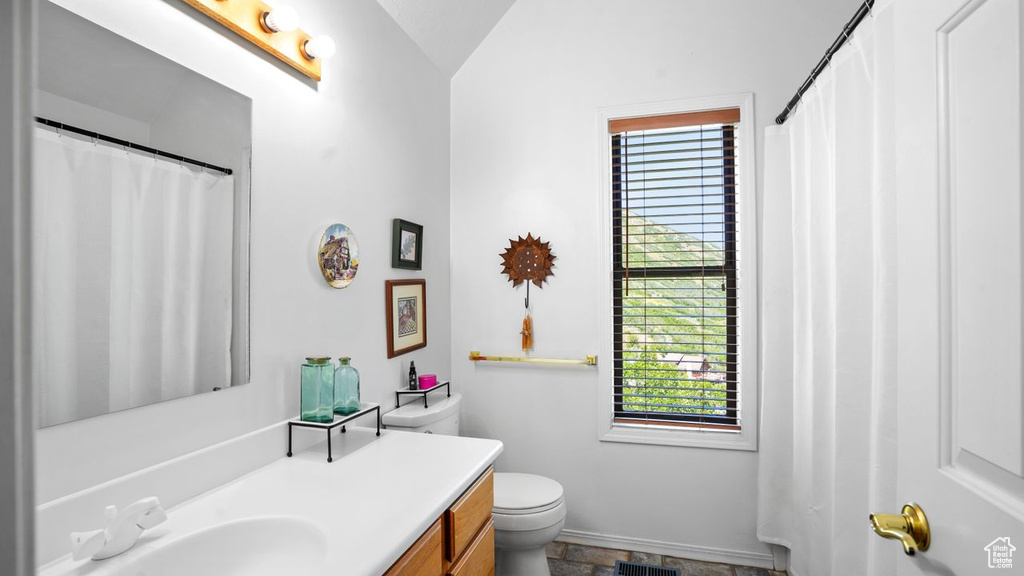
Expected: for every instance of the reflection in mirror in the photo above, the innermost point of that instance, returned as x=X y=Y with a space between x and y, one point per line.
x=139 y=259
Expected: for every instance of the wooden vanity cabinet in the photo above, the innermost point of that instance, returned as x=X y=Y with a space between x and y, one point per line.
x=478 y=559
x=461 y=542
x=469 y=514
x=423 y=558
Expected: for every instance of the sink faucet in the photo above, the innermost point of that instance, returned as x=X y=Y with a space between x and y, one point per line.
x=121 y=533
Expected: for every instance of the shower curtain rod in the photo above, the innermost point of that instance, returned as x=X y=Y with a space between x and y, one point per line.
x=127 y=144
x=844 y=36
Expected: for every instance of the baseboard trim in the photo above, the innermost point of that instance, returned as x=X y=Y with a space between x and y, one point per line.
x=688 y=551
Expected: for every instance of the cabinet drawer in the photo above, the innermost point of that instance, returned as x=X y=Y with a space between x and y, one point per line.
x=468 y=515
x=423 y=558
x=479 y=557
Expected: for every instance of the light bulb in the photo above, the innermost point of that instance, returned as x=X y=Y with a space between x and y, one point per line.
x=319 y=47
x=283 y=19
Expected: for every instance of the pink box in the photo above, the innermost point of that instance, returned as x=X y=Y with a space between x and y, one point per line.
x=428 y=381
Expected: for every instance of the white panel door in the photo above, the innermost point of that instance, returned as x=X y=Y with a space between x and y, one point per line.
x=961 y=336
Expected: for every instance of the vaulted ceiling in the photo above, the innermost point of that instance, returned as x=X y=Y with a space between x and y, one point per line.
x=448 y=31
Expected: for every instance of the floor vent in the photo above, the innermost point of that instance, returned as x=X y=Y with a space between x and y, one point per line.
x=637 y=569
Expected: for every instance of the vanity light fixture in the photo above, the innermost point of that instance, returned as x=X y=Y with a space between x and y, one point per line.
x=283 y=19
x=275 y=30
x=318 y=47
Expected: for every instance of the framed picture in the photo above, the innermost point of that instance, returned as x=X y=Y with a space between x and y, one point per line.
x=406 y=315
x=406 y=245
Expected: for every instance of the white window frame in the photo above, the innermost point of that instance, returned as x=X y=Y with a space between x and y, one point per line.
x=747 y=325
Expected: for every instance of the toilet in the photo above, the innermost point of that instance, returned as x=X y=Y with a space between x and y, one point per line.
x=529 y=513
x=529 y=510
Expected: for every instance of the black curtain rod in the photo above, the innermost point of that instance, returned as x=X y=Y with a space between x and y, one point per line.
x=127 y=144
x=844 y=36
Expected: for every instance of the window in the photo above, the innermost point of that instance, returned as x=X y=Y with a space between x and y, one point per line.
x=676 y=294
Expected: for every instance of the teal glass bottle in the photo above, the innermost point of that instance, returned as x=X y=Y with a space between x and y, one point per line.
x=346 y=387
x=317 y=398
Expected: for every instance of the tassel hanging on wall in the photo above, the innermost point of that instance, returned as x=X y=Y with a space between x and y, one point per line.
x=527 y=259
x=527 y=332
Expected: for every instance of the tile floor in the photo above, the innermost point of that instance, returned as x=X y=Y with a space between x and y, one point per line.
x=576 y=560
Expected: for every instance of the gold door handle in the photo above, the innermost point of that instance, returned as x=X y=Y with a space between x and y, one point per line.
x=910 y=528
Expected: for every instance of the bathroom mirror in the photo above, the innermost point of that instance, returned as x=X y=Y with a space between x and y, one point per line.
x=140 y=226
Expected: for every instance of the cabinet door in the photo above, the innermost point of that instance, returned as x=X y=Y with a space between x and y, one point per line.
x=469 y=513
x=423 y=558
x=479 y=557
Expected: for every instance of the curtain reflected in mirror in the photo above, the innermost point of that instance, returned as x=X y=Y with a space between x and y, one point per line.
x=139 y=260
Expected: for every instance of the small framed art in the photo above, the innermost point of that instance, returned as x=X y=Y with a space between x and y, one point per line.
x=406 y=315
x=406 y=245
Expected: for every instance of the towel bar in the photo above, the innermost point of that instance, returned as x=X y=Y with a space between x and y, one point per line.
x=589 y=360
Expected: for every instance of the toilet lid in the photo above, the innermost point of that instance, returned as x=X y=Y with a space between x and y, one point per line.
x=524 y=493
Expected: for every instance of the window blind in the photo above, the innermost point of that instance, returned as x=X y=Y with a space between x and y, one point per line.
x=674 y=224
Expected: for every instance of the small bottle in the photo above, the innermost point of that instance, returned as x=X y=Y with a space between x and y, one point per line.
x=412 y=376
x=346 y=387
x=317 y=394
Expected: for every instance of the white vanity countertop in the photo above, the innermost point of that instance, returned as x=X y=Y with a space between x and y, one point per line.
x=373 y=502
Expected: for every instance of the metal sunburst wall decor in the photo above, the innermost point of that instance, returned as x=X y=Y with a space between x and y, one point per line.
x=530 y=260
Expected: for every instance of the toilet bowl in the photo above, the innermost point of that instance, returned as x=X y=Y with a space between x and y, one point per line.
x=529 y=513
x=529 y=510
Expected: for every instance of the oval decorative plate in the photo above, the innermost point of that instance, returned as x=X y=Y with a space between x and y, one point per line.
x=338 y=255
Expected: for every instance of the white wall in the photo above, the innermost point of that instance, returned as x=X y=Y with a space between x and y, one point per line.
x=368 y=144
x=54 y=107
x=525 y=158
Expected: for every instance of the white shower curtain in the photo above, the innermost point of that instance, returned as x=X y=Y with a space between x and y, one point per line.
x=132 y=278
x=828 y=329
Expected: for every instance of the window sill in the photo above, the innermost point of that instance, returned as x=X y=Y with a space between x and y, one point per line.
x=679 y=436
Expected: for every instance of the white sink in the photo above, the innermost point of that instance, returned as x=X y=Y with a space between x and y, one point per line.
x=249 y=547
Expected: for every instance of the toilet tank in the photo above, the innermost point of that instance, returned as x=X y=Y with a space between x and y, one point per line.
x=441 y=416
